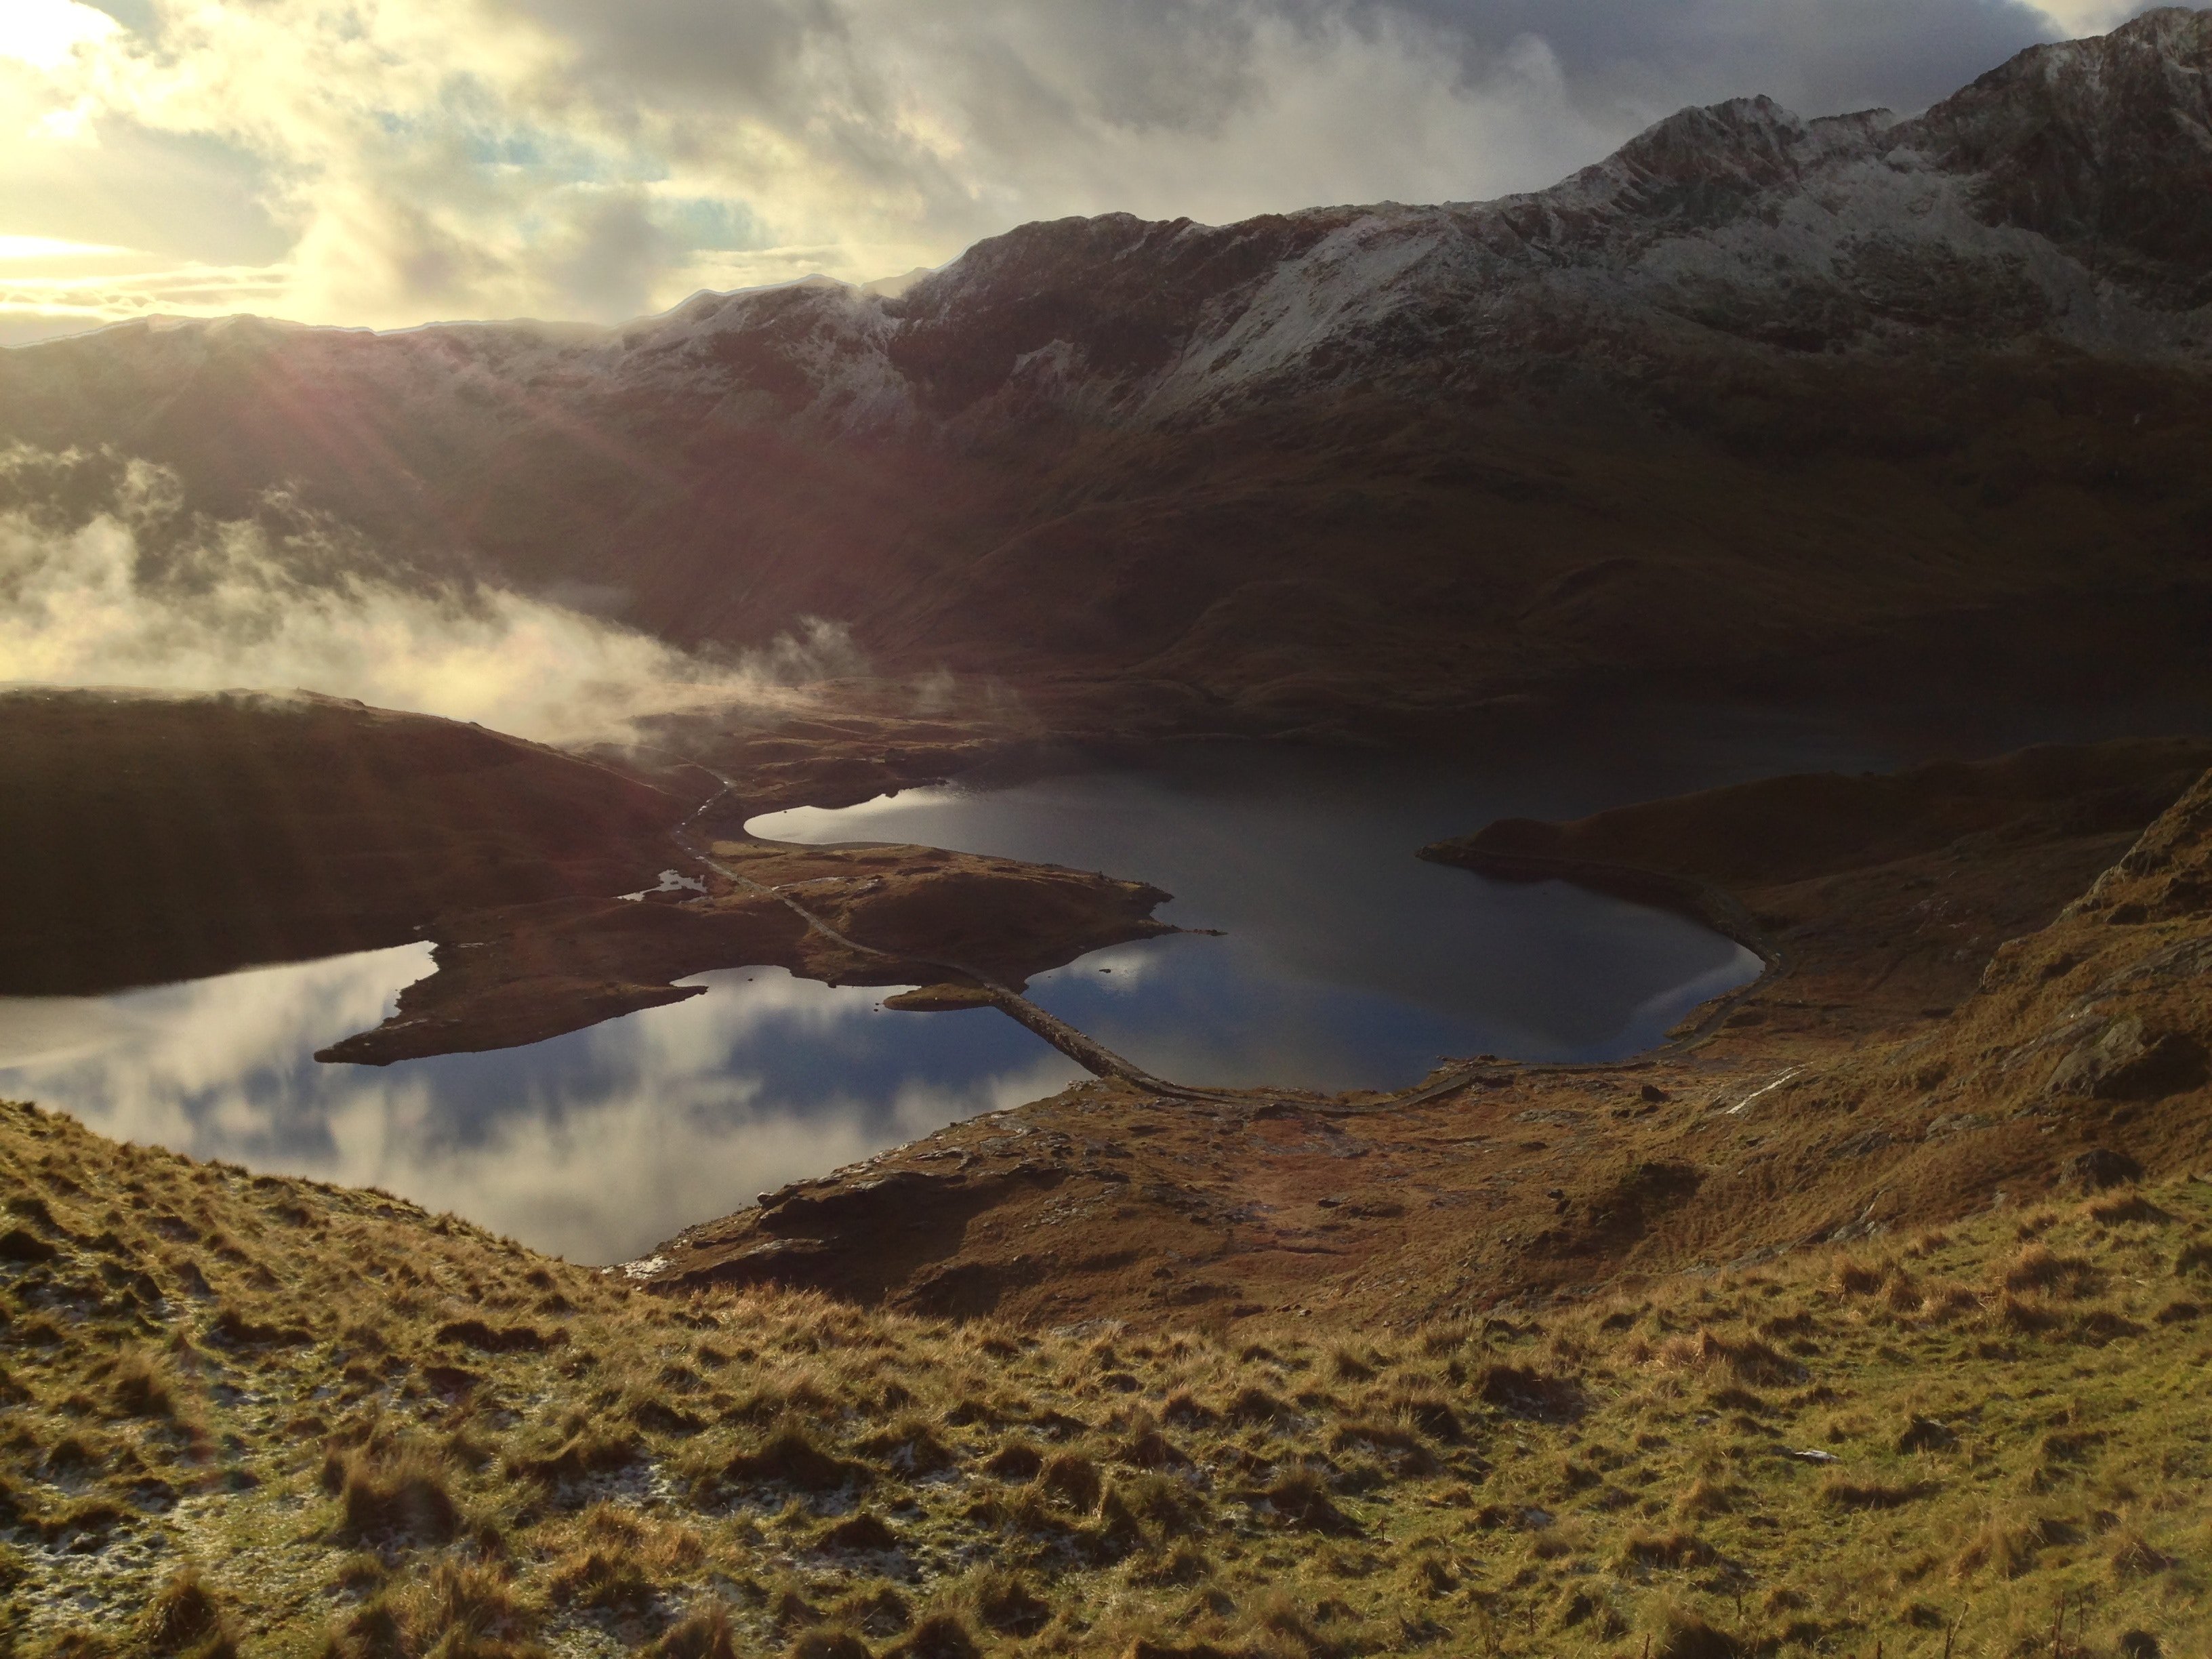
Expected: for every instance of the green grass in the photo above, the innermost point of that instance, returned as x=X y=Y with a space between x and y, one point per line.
x=264 y=1416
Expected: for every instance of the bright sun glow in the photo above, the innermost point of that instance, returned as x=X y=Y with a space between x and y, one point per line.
x=44 y=33
x=53 y=248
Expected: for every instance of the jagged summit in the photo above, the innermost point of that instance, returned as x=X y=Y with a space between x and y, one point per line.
x=2103 y=146
x=2068 y=191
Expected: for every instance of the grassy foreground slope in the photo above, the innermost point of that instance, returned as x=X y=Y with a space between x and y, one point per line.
x=264 y=1416
x=246 y=1414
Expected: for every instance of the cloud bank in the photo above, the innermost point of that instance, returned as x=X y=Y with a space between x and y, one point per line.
x=105 y=580
x=388 y=161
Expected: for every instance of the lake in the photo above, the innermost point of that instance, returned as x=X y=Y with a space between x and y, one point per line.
x=1344 y=962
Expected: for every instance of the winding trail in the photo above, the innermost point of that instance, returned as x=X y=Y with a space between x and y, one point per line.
x=1086 y=1051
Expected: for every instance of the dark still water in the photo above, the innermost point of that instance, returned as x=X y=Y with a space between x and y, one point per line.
x=1346 y=963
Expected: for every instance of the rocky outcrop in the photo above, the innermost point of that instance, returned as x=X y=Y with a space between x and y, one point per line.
x=2104 y=148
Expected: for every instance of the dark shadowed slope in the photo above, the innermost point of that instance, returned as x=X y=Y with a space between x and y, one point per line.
x=148 y=837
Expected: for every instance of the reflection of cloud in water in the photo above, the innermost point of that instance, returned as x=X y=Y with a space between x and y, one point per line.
x=596 y=1145
x=1348 y=964
x=1119 y=970
x=1671 y=1007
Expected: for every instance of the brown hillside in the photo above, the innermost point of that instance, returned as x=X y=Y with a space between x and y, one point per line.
x=148 y=837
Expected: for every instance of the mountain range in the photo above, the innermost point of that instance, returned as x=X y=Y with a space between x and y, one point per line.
x=1853 y=405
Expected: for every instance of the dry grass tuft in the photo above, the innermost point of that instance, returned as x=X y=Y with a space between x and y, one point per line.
x=2134 y=1556
x=1685 y=1633
x=2130 y=1209
x=2004 y=1546
x=1924 y=1434
x=1843 y=1492
x=142 y=1385
x=185 y=1620
x=1072 y=1479
x=240 y=1330
x=1671 y=1549
x=791 y=1456
x=1301 y=1498
x=460 y=1609
x=1855 y=1278
x=397 y=1494
x=1705 y=1498
x=939 y=1636
x=1748 y=1360
x=1017 y=1461
x=704 y=1633
x=862 y=1531
x=499 y=1339
x=2038 y=1268
x=1525 y=1392
x=1007 y=1604
x=589 y=1451
x=1255 y=1408
x=858 y=1483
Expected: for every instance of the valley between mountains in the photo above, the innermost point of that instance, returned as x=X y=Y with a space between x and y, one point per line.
x=1866 y=1316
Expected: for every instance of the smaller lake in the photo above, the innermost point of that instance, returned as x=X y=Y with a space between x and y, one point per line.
x=596 y=1146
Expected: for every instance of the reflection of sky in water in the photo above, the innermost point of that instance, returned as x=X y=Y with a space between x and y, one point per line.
x=1348 y=961
x=596 y=1145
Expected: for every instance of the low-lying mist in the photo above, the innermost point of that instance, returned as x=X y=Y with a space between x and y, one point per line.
x=107 y=578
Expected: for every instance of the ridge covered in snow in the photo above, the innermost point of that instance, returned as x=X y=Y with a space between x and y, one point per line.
x=2066 y=195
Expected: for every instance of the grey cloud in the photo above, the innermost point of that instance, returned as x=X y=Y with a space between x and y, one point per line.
x=1023 y=83
x=1647 y=57
x=619 y=252
x=1182 y=64
x=874 y=134
x=710 y=49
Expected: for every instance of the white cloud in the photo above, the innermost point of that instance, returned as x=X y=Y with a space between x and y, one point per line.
x=427 y=158
x=55 y=248
x=2083 y=17
x=47 y=33
x=128 y=589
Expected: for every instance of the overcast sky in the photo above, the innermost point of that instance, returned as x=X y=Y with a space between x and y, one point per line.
x=392 y=162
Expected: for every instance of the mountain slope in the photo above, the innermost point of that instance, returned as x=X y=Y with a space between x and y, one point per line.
x=1753 y=392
